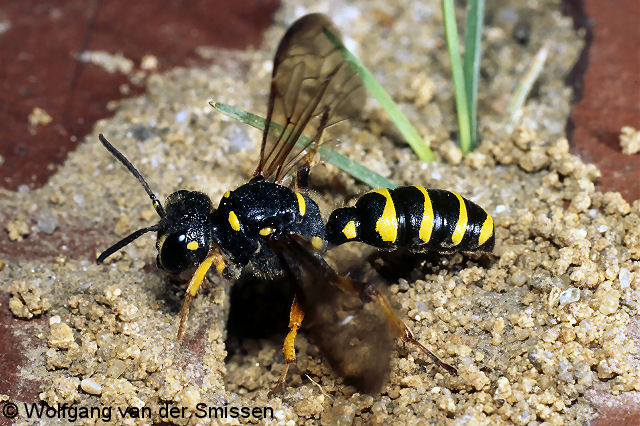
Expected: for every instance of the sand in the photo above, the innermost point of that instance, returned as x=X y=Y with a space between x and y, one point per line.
x=534 y=330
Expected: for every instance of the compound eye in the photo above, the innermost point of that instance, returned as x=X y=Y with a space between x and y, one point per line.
x=174 y=254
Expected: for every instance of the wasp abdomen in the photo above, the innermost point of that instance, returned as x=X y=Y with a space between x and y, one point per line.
x=415 y=218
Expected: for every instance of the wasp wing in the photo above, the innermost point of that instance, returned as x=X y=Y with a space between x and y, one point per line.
x=312 y=88
x=350 y=329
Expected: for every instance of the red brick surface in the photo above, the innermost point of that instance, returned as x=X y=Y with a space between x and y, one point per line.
x=609 y=91
x=38 y=68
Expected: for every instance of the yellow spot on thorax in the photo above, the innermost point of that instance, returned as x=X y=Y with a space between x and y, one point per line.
x=192 y=245
x=302 y=206
x=426 y=224
x=233 y=221
x=461 y=225
x=227 y=194
x=387 y=224
x=486 y=231
x=266 y=231
x=349 y=230
x=317 y=243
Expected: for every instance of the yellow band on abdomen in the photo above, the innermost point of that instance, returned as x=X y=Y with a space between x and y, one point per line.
x=426 y=224
x=349 y=230
x=486 y=231
x=461 y=225
x=387 y=224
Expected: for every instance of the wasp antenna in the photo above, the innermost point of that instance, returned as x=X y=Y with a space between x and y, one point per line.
x=126 y=240
x=112 y=149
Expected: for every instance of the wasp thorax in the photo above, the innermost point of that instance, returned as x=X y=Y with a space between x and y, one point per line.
x=184 y=238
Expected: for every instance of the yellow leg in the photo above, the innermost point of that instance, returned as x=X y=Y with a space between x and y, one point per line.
x=365 y=291
x=296 y=315
x=214 y=258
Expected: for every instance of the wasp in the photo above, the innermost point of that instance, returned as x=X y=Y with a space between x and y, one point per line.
x=278 y=229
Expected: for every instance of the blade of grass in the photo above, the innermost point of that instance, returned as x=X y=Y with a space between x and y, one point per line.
x=409 y=132
x=451 y=35
x=525 y=85
x=472 y=56
x=345 y=164
x=357 y=170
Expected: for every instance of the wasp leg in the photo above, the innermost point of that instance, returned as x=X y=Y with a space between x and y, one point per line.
x=302 y=173
x=296 y=316
x=214 y=258
x=369 y=291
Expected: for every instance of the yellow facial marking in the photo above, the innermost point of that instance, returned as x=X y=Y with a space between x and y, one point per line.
x=302 y=206
x=461 y=226
x=192 y=245
x=486 y=230
x=426 y=225
x=349 y=230
x=317 y=243
x=266 y=231
x=233 y=221
x=387 y=224
x=227 y=194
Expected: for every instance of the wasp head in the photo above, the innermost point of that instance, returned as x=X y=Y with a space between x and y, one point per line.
x=184 y=229
x=184 y=235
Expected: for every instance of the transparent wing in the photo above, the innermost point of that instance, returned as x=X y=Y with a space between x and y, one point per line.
x=350 y=329
x=312 y=88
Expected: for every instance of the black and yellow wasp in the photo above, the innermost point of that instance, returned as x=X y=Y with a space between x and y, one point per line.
x=279 y=229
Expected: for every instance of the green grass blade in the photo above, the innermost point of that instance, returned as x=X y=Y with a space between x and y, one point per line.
x=451 y=35
x=525 y=85
x=472 y=56
x=345 y=164
x=356 y=170
x=409 y=132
